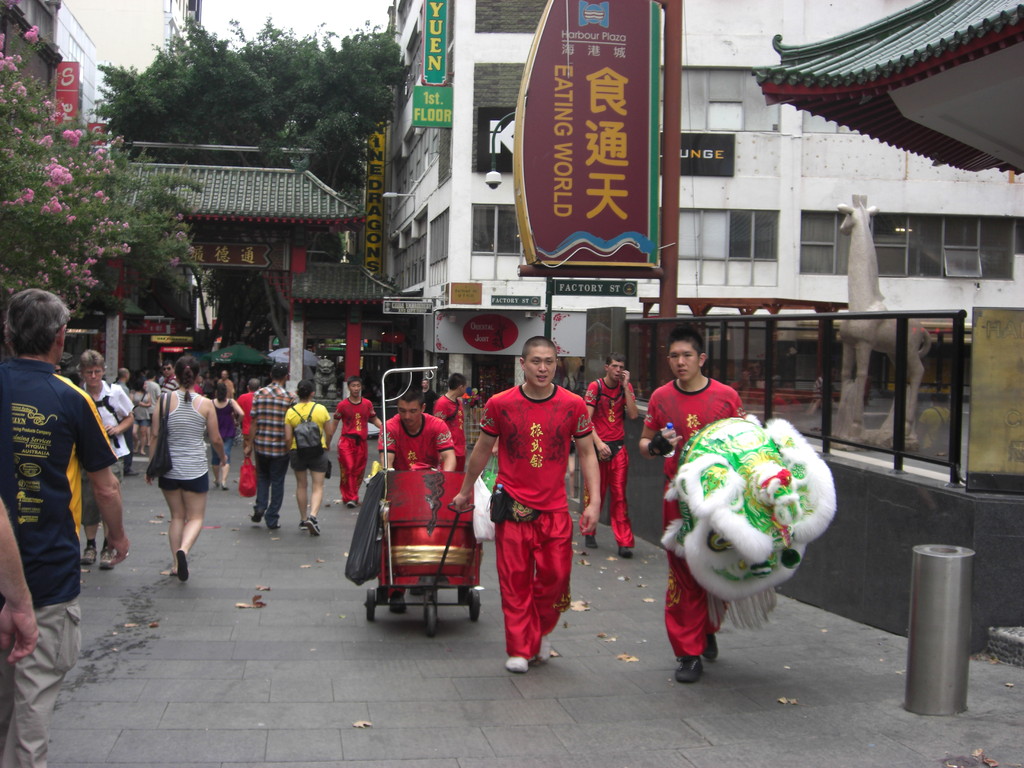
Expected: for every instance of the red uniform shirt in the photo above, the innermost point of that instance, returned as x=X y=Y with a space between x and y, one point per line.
x=609 y=405
x=690 y=412
x=245 y=403
x=533 y=446
x=355 y=418
x=419 y=451
x=451 y=414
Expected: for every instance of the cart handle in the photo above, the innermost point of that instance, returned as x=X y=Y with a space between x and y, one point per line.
x=428 y=371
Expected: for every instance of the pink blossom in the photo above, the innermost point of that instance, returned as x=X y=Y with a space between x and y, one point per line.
x=46 y=141
x=32 y=35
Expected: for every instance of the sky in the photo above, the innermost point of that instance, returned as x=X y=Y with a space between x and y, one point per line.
x=303 y=16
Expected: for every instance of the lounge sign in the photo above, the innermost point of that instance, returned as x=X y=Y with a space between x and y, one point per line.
x=586 y=189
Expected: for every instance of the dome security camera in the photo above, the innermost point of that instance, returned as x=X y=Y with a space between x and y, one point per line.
x=493 y=179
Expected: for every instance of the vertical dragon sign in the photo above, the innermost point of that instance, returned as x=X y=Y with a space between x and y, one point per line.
x=588 y=110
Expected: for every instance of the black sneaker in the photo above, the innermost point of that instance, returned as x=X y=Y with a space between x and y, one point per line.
x=690 y=669
x=625 y=552
x=590 y=542
x=312 y=525
x=257 y=515
x=711 y=649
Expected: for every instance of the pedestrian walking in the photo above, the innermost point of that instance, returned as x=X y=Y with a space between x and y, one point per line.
x=229 y=415
x=675 y=412
x=190 y=419
x=62 y=418
x=308 y=453
x=354 y=414
x=610 y=401
x=115 y=409
x=534 y=425
x=266 y=440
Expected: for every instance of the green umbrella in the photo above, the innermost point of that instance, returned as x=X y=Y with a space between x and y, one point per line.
x=238 y=353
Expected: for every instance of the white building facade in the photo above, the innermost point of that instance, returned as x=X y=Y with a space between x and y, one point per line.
x=769 y=229
x=126 y=33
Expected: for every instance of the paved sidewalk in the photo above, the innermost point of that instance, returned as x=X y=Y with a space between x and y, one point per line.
x=174 y=674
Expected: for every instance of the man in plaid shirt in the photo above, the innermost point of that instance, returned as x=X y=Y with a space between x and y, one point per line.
x=269 y=406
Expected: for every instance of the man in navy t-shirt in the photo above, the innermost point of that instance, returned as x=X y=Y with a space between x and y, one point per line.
x=50 y=432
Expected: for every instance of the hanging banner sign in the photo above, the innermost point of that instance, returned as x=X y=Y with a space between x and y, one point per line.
x=432 y=107
x=68 y=79
x=586 y=139
x=373 y=253
x=435 y=42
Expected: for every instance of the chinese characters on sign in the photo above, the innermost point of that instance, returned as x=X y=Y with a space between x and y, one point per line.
x=230 y=255
x=586 y=191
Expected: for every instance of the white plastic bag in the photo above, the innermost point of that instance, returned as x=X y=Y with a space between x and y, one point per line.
x=483 y=528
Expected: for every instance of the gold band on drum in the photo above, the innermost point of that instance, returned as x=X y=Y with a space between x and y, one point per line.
x=430 y=554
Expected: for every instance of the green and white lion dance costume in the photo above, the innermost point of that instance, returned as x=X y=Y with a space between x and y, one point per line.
x=751 y=499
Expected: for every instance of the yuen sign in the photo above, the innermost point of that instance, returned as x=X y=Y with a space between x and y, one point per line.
x=435 y=42
x=588 y=113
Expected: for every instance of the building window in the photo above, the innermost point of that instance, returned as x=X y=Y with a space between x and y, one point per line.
x=495 y=230
x=725 y=100
x=439 y=250
x=912 y=245
x=734 y=235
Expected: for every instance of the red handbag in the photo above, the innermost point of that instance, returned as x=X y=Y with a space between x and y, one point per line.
x=247 y=478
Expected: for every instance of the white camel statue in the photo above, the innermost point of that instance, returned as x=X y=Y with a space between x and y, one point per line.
x=859 y=337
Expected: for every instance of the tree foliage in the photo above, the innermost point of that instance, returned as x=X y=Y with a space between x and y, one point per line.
x=276 y=91
x=75 y=217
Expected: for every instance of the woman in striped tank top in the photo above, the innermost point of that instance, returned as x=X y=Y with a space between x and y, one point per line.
x=185 y=486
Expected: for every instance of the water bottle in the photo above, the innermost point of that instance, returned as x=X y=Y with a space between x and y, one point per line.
x=668 y=434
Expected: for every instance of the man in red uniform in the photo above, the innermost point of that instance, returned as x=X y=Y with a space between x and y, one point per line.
x=609 y=401
x=417 y=440
x=448 y=408
x=536 y=423
x=689 y=403
x=355 y=414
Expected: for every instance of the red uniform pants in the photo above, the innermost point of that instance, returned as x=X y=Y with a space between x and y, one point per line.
x=613 y=488
x=534 y=561
x=686 y=602
x=351 y=466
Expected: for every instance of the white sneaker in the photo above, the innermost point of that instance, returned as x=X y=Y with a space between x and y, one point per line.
x=545 y=649
x=517 y=664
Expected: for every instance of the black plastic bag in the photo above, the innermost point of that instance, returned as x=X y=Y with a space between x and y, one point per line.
x=364 y=551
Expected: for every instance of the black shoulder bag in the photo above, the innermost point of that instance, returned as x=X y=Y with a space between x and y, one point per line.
x=160 y=461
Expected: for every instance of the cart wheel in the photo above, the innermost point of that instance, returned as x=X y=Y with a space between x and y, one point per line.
x=430 y=618
x=371 y=603
x=474 y=605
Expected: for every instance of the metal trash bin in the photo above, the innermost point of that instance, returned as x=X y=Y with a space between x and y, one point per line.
x=940 y=630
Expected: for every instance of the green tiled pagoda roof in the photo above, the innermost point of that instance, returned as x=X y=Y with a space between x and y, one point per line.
x=338 y=283
x=259 y=194
x=849 y=79
x=927 y=32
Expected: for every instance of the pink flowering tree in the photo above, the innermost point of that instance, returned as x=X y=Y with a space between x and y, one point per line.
x=76 y=217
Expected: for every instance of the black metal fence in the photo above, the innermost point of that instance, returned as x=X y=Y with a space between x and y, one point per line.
x=790 y=366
